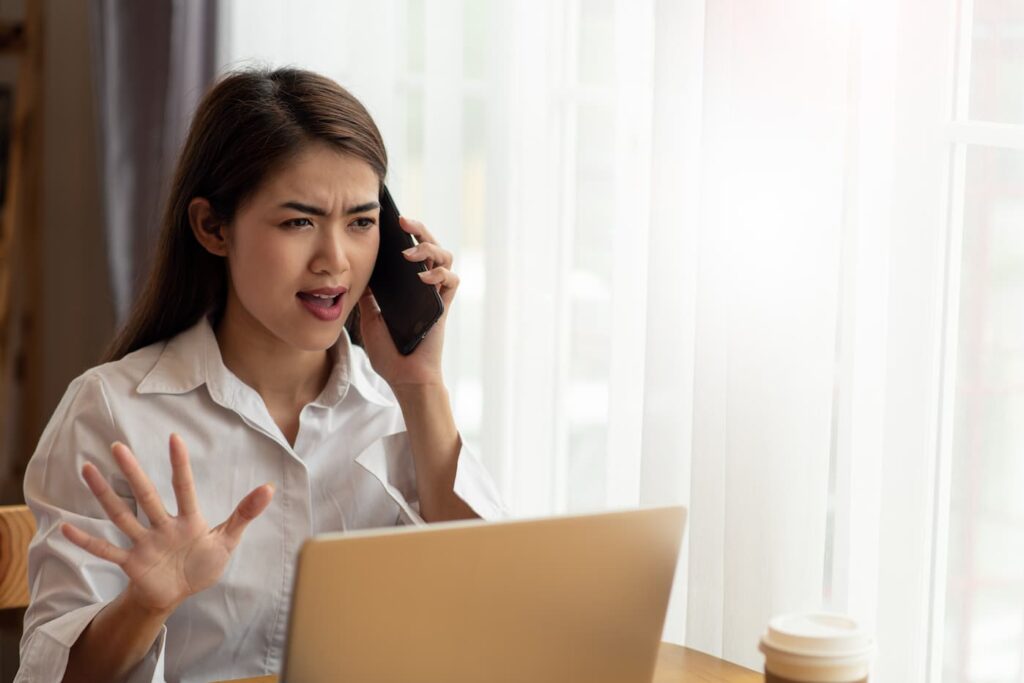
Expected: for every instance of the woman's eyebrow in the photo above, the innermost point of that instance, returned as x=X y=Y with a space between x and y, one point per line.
x=317 y=211
x=304 y=208
x=360 y=208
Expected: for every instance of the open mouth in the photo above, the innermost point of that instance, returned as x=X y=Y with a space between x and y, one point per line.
x=324 y=303
x=320 y=300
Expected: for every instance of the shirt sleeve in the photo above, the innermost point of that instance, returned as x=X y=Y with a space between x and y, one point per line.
x=390 y=460
x=67 y=585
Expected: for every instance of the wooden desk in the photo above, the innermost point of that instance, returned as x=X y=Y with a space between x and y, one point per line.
x=675 y=665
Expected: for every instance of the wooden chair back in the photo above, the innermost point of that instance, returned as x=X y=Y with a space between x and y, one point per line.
x=17 y=527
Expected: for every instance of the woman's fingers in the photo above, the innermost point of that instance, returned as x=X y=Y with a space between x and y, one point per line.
x=117 y=510
x=416 y=229
x=181 y=478
x=145 y=493
x=94 y=546
x=249 y=509
x=445 y=280
x=438 y=260
x=431 y=253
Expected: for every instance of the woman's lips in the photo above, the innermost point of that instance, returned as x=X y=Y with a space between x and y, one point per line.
x=326 y=291
x=323 y=308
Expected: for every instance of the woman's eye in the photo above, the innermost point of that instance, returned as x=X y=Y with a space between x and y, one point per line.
x=298 y=223
x=363 y=224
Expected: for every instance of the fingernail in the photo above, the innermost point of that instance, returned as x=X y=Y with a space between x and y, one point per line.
x=409 y=251
x=423 y=274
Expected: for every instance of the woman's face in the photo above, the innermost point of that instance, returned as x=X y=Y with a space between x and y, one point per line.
x=311 y=226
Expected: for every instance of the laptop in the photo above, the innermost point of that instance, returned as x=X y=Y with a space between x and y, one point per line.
x=553 y=600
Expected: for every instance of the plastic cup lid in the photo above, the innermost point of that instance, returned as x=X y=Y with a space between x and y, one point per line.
x=817 y=635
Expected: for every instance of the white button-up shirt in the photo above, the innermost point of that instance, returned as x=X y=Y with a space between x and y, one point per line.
x=351 y=468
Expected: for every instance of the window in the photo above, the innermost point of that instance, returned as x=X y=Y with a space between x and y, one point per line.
x=984 y=592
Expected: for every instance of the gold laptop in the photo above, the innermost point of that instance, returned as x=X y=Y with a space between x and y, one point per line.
x=554 y=600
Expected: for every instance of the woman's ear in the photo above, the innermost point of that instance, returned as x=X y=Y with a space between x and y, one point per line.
x=206 y=227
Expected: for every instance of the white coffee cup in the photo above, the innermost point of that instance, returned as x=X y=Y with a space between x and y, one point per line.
x=816 y=648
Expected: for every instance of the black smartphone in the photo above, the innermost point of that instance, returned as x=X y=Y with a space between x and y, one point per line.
x=410 y=307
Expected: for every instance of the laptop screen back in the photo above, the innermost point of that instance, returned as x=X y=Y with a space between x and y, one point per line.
x=554 y=600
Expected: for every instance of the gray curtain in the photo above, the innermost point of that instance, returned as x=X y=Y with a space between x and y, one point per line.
x=152 y=62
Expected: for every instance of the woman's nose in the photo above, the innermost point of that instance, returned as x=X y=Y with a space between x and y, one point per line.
x=331 y=255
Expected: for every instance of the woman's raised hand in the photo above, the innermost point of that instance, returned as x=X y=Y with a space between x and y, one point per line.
x=177 y=556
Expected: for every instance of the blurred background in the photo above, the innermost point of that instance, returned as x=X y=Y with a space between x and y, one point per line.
x=764 y=259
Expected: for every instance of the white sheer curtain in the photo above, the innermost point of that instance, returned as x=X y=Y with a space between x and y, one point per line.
x=703 y=249
x=523 y=133
x=820 y=322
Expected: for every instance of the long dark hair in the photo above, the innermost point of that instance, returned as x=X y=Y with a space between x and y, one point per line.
x=247 y=125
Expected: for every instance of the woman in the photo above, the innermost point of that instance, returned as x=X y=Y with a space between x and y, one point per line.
x=283 y=428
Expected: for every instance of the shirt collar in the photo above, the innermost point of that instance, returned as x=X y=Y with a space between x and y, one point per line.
x=193 y=357
x=350 y=367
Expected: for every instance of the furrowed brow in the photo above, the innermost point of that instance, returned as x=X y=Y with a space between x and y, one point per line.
x=305 y=208
x=361 y=208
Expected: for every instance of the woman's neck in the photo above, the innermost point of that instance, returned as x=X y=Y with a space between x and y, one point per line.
x=286 y=377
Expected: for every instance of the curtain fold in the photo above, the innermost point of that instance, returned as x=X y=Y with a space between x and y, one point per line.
x=152 y=62
x=774 y=166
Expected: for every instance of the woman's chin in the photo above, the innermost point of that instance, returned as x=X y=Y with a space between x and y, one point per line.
x=315 y=341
